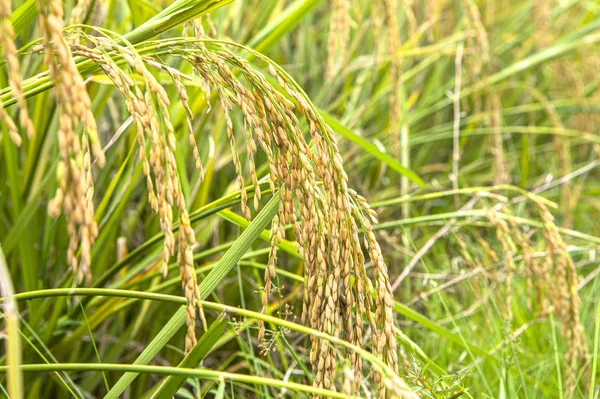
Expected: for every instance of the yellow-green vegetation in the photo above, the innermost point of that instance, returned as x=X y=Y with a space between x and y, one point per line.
x=269 y=198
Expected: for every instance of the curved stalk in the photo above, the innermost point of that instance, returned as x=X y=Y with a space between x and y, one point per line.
x=176 y=371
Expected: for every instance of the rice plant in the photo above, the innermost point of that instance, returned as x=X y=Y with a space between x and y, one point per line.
x=218 y=198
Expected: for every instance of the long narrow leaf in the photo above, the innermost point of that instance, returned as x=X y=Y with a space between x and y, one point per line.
x=207 y=286
x=169 y=386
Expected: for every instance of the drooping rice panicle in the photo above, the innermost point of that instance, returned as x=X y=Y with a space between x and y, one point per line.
x=75 y=192
x=325 y=219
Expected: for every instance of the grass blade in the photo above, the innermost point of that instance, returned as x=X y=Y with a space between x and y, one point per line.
x=169 y=386
x=226 y=263
x=595 y=353
x=371 y=148
x=13 y=337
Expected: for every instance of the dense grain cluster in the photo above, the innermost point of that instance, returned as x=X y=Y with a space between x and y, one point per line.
x=149 y=110
x=325 y=220
x=562 y=292
x=78 y=142
x=553 y=278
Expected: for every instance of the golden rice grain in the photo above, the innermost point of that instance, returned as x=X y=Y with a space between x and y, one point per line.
x=9 y=52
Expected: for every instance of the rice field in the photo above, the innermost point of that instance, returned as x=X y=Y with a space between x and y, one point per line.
x=299 y=198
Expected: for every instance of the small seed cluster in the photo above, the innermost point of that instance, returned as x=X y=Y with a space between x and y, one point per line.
x=339 y=36
x=564 y=297
x=553 y=278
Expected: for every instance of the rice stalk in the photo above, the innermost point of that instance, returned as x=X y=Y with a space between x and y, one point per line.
x=481 y=67
x=150 y=111
x=554 y=279
x=528 y=70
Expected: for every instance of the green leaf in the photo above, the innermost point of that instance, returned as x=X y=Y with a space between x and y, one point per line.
x=169 y=386
x=285 y=245
x=23 y=16
x=221 y=391
x=370 y=148
x=207 y=286
x=282 y=25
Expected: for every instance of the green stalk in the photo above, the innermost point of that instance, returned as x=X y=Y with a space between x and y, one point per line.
x=480 y=190
x=178 y=320
x=181 y=372
x=13 y=337
x=595 y=353
x=480 y=213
